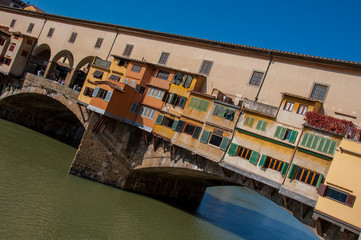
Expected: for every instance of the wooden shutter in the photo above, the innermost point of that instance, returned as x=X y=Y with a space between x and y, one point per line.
x=224 y=144
x=319 y=181
x=284 y=168
x=264 y=126
x=282 y=133
x=263 y=160
x=180 y=126
x=259 y=125
x=183 y=102
x=95 y=92
x=108 y=96
x=187 y=81
x=305 y=139
x=159 y=119
x=333 y=145
x=350 y=200
x=175 y=123
x=232 y=149
x=315 y=141
x=292 y=172
x=254 y=157
x=246 y=121
x=278 y=131
x=322 y=189
x=251 y=122
x=293 y=136
x=196 y=133
x=205 y=136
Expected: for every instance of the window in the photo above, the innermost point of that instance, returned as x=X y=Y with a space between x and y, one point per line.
x=51 y=32
x=337 y=195
x=30 y=28
x=163 y=58
x=98 y=74
x=12 y=24
x=286 y=134
x=261 y=125
x=307 y=176
x=128 y=50
x=7 y=61
x=224 y=112
x=126 y=81
x=147 y=112
x=122 y=63
x=271 y=163
x=132 y=83
x=155 y=93
x=24 y=53
x=88 y=91
x=163 y=75
x=288 y=106
x=324 y=145
x=139 y=89
x=2 y=41
x=199 y=104
x=102 y=93
x=189 y=129
x=244 y=153
x=248 y=154
x=174 y=99
x=114 y=78
x=12 y=47
x=168 y=122
x=206 y=67
x=248 y=121
x=302 y=109
x=256 y=78
x=215 y=140
x=319 y=92
x=136 y=68
x=98 y=43
x=73 y=37
x=134 y=109
x=178 y=78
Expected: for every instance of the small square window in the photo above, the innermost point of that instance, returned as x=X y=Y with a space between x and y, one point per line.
x=189 y=129
x=319 y=92
x=30 y=28
x=288 y=106
x=163 y=58
x=12 y=24
x=98 y=43
x=256 y=78
x=168 y=122
x=163 y=75
x=128 y=50
x=73 y=37
x=51 y=32
x=215 y=140
x=302 y=109
x=136 y=68
x=206 y=67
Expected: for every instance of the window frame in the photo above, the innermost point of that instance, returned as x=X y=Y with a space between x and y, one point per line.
x=163 y=58
x=145 y=114
x=210 y=138
x=73 y=37
x=254 y=79
x=98 y=43
x=30 y=28
x=162 y=74
x=324 y=94
x=288 y=106
x=135 y=68
x=156 y=93
x=170 y=122
x=188 y=124
x=135 y=106
x=248 y=153
x=206 y=69
x=302 y=109
x=128 y=50
x=50 y=32
x=314 y=179
x=12 y=24
x=12 y=47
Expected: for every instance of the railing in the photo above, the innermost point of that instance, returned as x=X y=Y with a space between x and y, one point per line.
x=53 y=85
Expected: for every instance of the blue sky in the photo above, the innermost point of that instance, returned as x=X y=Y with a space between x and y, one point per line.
x=316 y=27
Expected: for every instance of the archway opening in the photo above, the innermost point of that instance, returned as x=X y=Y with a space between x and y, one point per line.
x=81 y=71
x=61 y=66
x=39 y=60
x=43 y=114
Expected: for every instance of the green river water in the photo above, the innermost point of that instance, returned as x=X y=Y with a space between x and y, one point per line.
x=40 y=200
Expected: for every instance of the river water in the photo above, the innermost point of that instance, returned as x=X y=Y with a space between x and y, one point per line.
x=40 y=200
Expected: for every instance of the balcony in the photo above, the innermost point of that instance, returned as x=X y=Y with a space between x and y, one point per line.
x=160 y=83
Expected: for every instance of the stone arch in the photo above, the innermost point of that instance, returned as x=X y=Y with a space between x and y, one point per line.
x=60 y=66
x=39 y=59
x=49 y=114
x=80 y=72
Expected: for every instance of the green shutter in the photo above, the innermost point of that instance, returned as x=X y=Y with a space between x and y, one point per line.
x=192 y=103
x=264 y=126
x=224 y=144
x=259 y=125
x=246 y=121
x=205 y=136
x=183 y=102
x=196 y=133
x=327 y=146
x=284 y=168
x=332 y=147
x=322 y=144
x=293 y=136
x=95 y=92
x=315 y=141
x=159 y=119
x=282 y=133
x=278 y=131
x=204 y=106
x=187 y=81
x=232 y=149
x=175 y=123
x=292 y=172
x=180 y=126
x=305 y=139
x=319 y=181
x=263 y=160
x=108 y=96
x=251 y=122
x=254 y=157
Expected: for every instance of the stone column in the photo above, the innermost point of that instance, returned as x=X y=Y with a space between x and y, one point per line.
x=70 y=77
x=49 y=69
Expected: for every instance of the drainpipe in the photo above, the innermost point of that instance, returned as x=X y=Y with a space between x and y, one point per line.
x=265 y=74
x=111 y=48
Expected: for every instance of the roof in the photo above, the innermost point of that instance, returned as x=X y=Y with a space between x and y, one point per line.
x=202 y=94
x=213 y=43
x=300 y=97
x=33 y=8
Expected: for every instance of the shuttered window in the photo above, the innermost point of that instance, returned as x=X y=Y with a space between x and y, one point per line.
x=180 y=126
x=135 y=108
x=318 y=143
x=224 y=143
x=308 y=176
x=136 y=68
x=178 y=78
x=244 y=152
x=224 y=112
x=159 y=119
x=114 y=78
x=327 y=146
x=232 y=149
x=205 y=136
x=272 y=163
x=199 y=104
x=197 y=132
x=156 y=93
x=336 y=195
x=108 y=96
x=286 y=134
x=261 y=125
x=168 y=122
x=98 y=74
x=163 y=75
x=254 y=158
x=288 y=106
x=187 y=81
x=248 y=121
